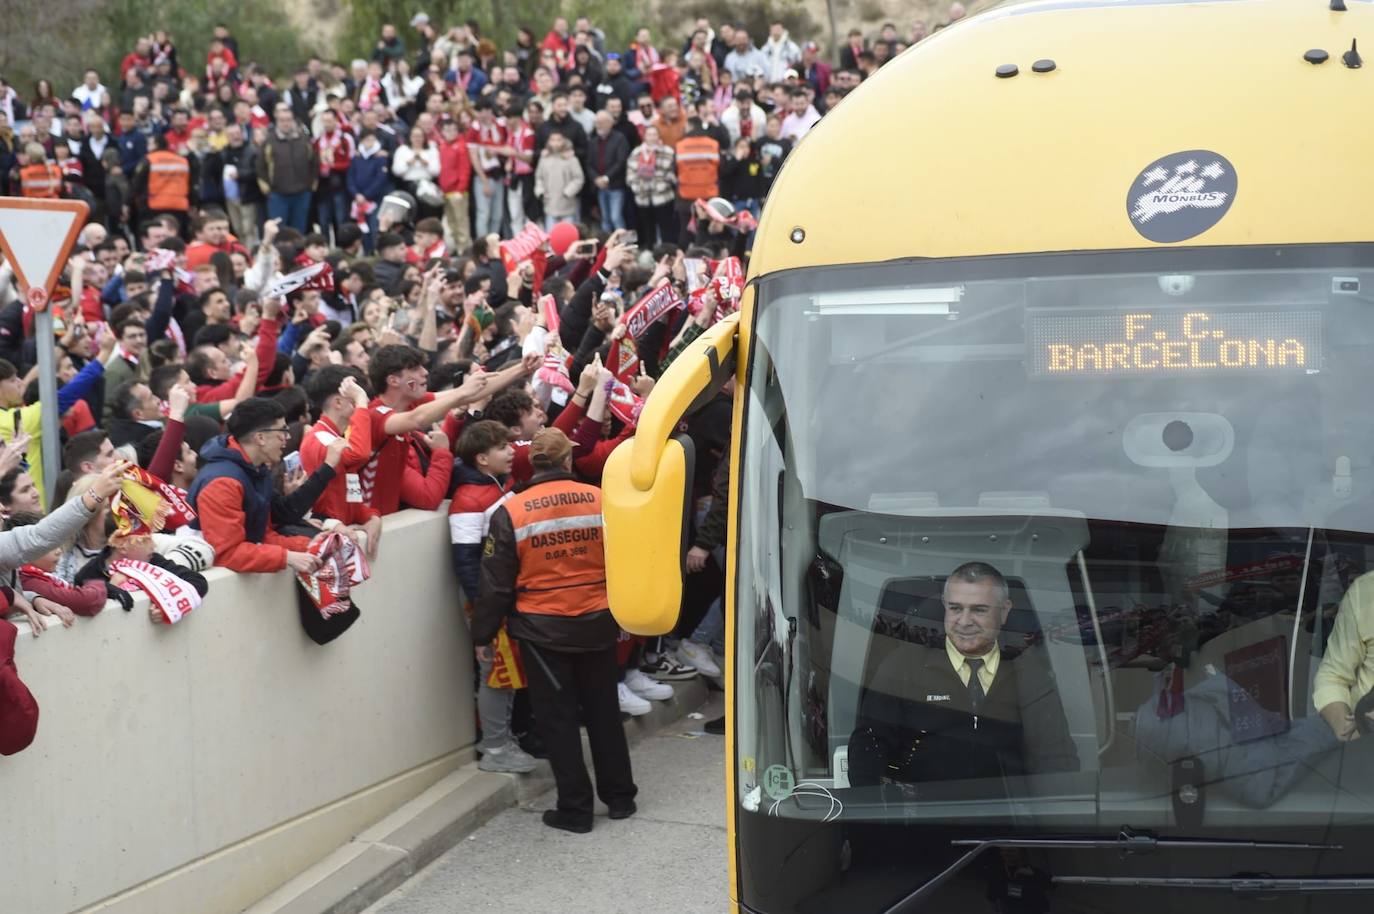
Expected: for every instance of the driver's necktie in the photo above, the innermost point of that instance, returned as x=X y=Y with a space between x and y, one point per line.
x=975 y=685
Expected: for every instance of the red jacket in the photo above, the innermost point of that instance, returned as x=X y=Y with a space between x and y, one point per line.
x=84 y=599
x=199 y=252
x=18 y=709
x=590 y=461
x=425 y=490
x=92 y=311
x=222 y=522
x=455 y=167
x=78 y=419
x=267 y=360
x=561 y=46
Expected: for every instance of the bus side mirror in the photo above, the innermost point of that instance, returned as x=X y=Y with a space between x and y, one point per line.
x=646 y=538
x=646 y=489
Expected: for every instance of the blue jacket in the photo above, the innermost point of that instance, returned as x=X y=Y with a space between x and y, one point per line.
x=475 y=82
x=218 y=459
x=370 y=175
x=133 y=148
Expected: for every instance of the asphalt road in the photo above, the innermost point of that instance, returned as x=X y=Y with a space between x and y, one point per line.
x=669 y=857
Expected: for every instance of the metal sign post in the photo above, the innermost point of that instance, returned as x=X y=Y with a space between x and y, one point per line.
x=47 y=390
x=36 y=237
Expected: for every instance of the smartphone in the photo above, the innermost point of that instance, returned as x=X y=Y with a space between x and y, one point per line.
x=630 y=237
x=292 y=463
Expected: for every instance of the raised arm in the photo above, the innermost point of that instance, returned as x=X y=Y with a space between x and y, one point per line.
x=426 y=414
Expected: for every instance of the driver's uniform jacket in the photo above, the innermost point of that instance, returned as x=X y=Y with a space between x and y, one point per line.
x=544 y=568
x=916 y=721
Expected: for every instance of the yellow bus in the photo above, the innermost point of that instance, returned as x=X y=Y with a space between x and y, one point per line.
x=1055 y=356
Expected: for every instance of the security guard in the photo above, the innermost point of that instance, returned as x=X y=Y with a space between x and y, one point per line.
x=163 y=180
x=698 y=171
x=544 y=572
x=39 y=179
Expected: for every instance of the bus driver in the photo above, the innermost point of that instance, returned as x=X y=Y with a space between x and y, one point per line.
x=964 y=709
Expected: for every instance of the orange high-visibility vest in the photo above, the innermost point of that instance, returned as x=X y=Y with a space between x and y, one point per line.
x=698 y=168
x=169 y=181
x=559 y=540
x=40 y=180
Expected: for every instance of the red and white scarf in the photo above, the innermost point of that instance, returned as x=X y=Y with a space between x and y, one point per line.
x=342 y=567
x=645 y=57
x=621 y=399
x=658 y=302
x=145 y=504
x=522 y=247
x=522 y=140
x=488 y=135
x=624 y=403
x=370 y=94
x=646 y=163
x=171 y=597
x=318 y=276
x=335 y=152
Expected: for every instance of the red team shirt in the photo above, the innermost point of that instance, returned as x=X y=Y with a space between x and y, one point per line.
x=381 y=476
x=343 y=498
x=484 y=161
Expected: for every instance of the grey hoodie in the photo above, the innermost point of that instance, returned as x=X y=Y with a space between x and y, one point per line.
x=24 y=544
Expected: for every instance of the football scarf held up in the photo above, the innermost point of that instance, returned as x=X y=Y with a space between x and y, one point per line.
x=145 y=504
x=660 y=300
x=171 y=597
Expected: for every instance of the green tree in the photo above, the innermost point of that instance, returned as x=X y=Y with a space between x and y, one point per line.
x=60 y=40
x=498 y=19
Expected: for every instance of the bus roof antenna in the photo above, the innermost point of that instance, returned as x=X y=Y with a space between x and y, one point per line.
x=1351 y=58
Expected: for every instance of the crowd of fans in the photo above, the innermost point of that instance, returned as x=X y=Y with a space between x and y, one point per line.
x=305 y=301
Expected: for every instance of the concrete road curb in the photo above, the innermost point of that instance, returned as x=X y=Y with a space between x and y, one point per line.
x=387 y=854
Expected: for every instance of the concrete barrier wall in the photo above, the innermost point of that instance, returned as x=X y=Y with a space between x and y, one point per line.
x=196 y=767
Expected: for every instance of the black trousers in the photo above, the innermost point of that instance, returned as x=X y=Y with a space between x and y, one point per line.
x=566 y=688
x=699 y=590
x=656 y=225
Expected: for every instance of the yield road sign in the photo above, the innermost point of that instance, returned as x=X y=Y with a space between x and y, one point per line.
x=36 y=236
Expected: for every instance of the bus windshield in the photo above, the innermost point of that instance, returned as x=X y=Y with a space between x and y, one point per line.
x=1059 y=542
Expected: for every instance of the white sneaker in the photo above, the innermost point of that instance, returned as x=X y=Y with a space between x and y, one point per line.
x=648 y=688
x=632 y=704
x=699 y=656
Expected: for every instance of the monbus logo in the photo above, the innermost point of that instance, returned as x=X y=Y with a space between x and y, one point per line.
x=1181 y=195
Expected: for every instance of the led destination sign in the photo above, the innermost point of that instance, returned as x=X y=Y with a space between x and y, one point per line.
x=1171 y=342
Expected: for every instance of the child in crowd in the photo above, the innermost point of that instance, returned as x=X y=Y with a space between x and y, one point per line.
x=484 y=483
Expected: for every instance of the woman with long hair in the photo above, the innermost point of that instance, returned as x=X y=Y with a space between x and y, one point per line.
x=44 y=95
x=526 y=52
x=416 y=167
x=403 y=89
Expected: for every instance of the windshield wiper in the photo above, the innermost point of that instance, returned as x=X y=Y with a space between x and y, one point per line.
x=1127 y=841
x=1238 y=885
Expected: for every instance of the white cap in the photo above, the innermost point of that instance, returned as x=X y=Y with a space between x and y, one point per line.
x=418 y=20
